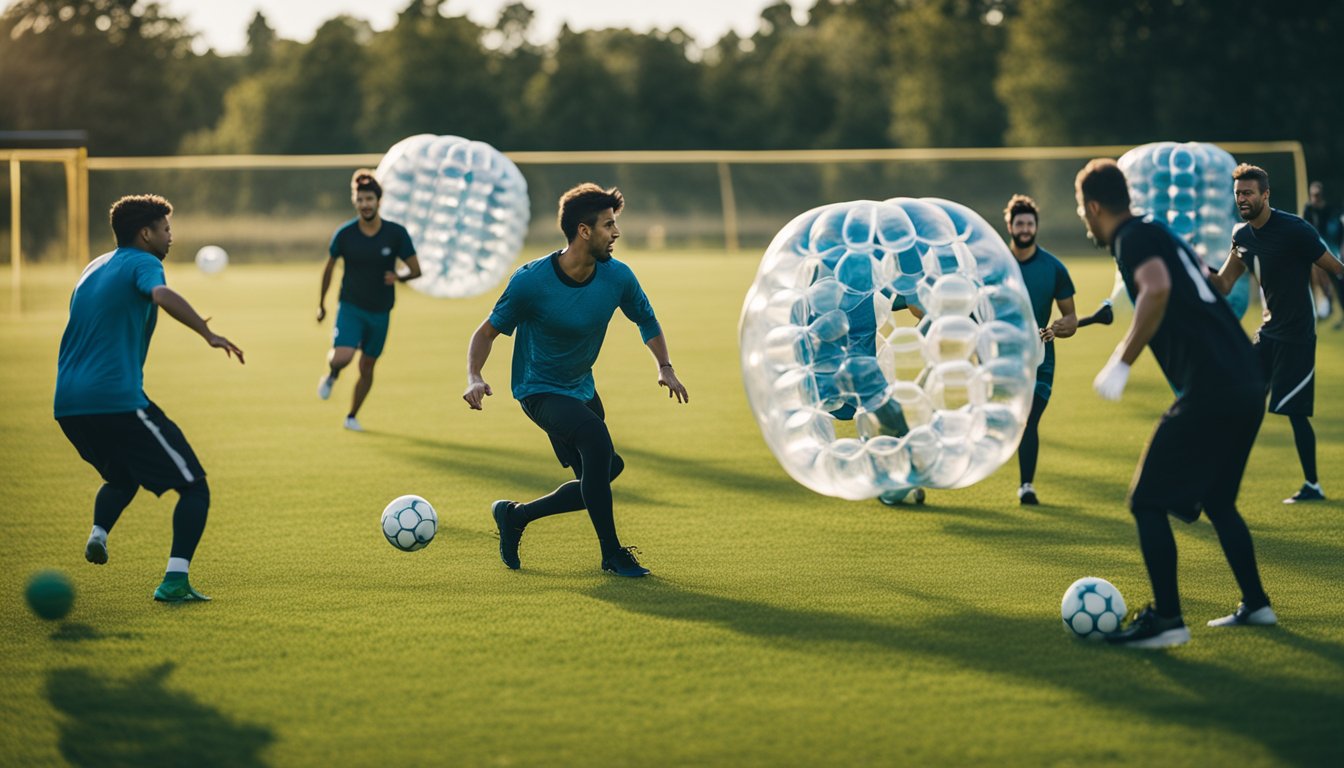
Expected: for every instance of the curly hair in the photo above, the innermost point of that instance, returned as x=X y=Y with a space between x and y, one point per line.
x=364 y=181
x=581 y=204
x=133 y=213
x=1020 y=204
x=1248 y=172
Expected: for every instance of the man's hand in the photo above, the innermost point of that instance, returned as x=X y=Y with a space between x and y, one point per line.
x=476 y=392
x=1110 y=382
x=321 y=313
x=668 y=378
x=230 y=349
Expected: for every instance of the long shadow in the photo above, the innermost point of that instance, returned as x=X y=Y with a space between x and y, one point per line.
x=520 y=469
x=69 y=632
x=141 y=722
x=1298 y=722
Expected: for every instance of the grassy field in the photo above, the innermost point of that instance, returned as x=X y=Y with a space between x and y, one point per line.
x=780 y=628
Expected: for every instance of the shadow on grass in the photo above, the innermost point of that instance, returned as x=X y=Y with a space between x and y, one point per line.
x=78 y=633
x=140 y=722
x=1297 y=721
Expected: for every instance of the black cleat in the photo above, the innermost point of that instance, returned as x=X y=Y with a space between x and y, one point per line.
x=1026 y=496
x=509 y=536
x=1308 y=492
x=622 y=562
x=1148 y=630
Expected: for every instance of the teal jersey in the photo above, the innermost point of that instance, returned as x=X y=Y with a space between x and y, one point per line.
x=1047 y=281
x=100 y=368
x=561 y=323
x=367 y=259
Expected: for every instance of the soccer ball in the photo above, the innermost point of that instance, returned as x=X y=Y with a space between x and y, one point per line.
x=50 y=594
x=1092 y=608
x=409 y=523
x=212 y=259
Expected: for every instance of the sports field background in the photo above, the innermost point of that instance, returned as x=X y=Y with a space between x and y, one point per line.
x=780 y=627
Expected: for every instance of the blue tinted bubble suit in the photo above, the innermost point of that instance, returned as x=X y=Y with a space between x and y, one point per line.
x=465 y=205
x=1188 y=187
x=939 y=405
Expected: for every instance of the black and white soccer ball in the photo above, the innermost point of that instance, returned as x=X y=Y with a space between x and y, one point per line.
x=1092 y=608
x=409 y=523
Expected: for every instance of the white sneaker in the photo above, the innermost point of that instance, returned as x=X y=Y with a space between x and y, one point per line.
x=324 y=387
x=96 y=550
x=1260 y=617
x=1026 y=495
x=352 y=424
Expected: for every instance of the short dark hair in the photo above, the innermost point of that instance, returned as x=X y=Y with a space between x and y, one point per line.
x=1248 y=172
x=1020 y=204
x=364 y=181
x=581 y=204
x=1102 y=181
x=133 y=213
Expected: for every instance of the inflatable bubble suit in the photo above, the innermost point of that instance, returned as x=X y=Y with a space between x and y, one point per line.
x=1188 y=187
x=940 y=405
x=465 y=205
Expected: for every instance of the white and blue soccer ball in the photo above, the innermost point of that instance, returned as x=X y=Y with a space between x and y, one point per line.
x=409 y=523
x=1092 y=608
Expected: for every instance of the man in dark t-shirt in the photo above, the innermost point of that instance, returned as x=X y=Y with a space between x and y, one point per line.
x=371 y=247
x=1329 y=224
x=1197 y=455
x=1280 y=249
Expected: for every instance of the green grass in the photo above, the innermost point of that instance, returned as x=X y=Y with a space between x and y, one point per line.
x=781 y=627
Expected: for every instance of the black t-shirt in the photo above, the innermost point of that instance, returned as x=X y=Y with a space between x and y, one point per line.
x=1200 y=346
x=366 y=259
x=1280 y=255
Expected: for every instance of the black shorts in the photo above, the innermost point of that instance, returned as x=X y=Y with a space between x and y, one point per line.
x=560 y=416
x=143 y=448
x=1290 y=371
x=1198 y=454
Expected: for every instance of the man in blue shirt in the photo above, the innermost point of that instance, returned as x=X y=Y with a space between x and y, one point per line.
x=1048 y=283
x=100 y=399
x=371 y=247
x=561 y=305
x=1281 y=250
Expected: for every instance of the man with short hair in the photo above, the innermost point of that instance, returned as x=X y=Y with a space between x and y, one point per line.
x=1197 y=455
x=1280 y=249
x=561 y=305
x=1048 y=283
x=100 y=400
x=371 y=247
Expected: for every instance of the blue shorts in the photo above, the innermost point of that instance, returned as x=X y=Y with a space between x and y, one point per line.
x=361 y=329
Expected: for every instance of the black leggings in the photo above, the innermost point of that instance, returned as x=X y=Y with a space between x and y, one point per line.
x=1030 y=446
x=1159 y=556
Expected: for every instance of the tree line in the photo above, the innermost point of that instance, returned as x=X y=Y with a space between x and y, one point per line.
x=855 y=74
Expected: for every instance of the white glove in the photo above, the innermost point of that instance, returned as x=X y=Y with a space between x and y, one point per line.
x=1110 y=382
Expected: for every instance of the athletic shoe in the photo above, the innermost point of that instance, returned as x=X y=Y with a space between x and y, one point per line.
x=352 y=424
x=1308 y=492
x=622 y=562
x=896 y=498
x=1260 y=617
x=1026 y=495
x=509 y=536
x=96 y=550
x=1148 y=630
x=324 y=387
x=177 y=591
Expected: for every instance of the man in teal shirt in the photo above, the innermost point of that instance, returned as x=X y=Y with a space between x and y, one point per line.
x=100 y=398
x=560 y=306
x=1047 y=283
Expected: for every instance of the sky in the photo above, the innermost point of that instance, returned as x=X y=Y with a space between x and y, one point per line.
x=222 y=24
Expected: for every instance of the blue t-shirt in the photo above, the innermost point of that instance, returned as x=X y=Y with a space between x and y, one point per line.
x=1047 y=281
x=562 y=323
x=100 y=368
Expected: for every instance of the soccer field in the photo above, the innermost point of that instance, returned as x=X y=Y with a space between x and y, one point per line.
x=779 y=628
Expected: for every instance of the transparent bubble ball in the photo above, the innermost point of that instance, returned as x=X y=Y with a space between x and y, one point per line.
x=1189 y=188
x=938 y=405
x=465 y=205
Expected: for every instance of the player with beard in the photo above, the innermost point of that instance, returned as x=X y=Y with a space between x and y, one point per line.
x=1048 y=283
x=561 y=305
x=1280 y=249
x=371 y=247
